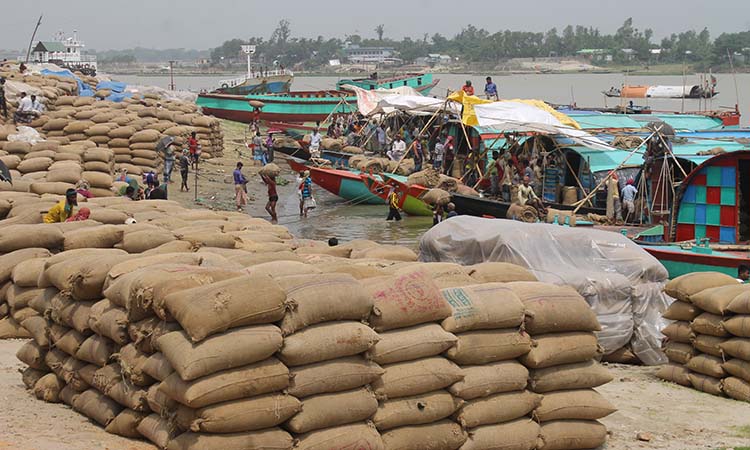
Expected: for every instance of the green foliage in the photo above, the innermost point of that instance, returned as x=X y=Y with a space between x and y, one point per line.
x=474 y=44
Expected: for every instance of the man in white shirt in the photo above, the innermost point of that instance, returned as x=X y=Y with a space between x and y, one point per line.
x=398 y=149
x=24 y=113
x=36 y=106
x=527 y=196
x=315 y=144
x=628 y=200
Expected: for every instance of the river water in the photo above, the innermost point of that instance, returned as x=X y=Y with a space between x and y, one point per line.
x=336 y=218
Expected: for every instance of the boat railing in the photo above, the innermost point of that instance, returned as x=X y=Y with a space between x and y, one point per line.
x=255 y=76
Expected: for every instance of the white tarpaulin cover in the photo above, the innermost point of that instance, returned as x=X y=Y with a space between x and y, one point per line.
x=670 y=91
x=509 y=116
x=622 y=283
x=403 y=98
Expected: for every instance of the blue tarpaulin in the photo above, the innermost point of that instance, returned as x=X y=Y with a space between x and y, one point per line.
x=114 y=86
x=117 y=88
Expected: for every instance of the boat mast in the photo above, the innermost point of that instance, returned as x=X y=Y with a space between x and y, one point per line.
x=33 y=35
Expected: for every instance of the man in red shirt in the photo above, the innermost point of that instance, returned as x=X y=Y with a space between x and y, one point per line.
x=273 y=196
x=194 y=148
x=468 y=88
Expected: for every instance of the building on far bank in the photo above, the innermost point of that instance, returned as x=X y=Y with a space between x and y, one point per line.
x=595 y=54
x=378 y=55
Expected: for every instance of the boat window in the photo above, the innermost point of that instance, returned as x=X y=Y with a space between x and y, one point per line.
x=390 y=85
x=419 y=82
x=406 y=83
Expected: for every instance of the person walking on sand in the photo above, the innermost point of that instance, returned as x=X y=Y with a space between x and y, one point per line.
x=3 y=102
x=194 y=147
x=308 y=201
x=273 y=196
x=169 y=158
x=240 y=187
x=184 y=168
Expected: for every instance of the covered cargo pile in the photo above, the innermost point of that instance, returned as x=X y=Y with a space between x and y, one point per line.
x=620 y=281
x=130 y=127
x=200 y=330
x=708 y=344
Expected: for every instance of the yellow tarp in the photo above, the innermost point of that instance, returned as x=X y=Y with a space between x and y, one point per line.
x=469 y=117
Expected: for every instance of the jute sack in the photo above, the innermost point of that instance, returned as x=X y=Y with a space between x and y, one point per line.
x=96 y=350
x=740 y=304
x=145 y=333
x=737 y=388
x=83 y=278
x=126 y=423
x=132 y=361
x=738 y=325
x=16 y=237
x=680 y=310
x=124 y=132
x=409 y=298
x=333 y=376
x=98 y=179
x=19 y=297
x=521 y=434
x=140 y=241
x=716 y=300
x=330 y=410
x=685 y=286
x=442 y=435
x=158 y=402
x=447 y=275
x=415 y=410
x=30 y=376
x=157 y=367
x=32 y=355
x=210 y=239
x=708 y=344
x=737 y=348
x=582 y=375
x=411 y=343
x=678 y=332
x=416 y=377
x=278 y=269
x=38 y=327
x=497 y=408
x=142 y=136
x=97 y=407
x=321 y=298
x=489 y=272
x=135 y=264
x=705 y=383
x=71 y=313
x=246 y=300
x=707 y=365
x=105 y=236
x=68 y=395
x=48 y=388
x=327 y=341
x=272 y=438
x=248 y=414
x=482 y=307
x=129 y=396
x=385 y=252
x=679 y=353
x=234 y=348
x=355 y=436
x=157 y=430
x=708 y=323
x=106 y=377
x=109 y=321
x=248 y=381
x=436 y=197
x=489 y=379
x=485 y=346
x=584 y=404
x=554 y=349
x=552 y=308
x=10 y=260
x=572 y=434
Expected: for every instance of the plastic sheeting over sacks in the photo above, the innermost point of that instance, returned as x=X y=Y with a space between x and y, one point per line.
x=622 y=283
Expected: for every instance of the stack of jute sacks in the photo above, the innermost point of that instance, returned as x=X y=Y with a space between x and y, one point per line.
x=707 y=345
x=201 y=330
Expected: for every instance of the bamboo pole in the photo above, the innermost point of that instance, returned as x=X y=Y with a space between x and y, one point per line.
x=601 y=183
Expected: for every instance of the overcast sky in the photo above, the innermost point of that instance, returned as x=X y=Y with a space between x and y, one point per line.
x=202 y=24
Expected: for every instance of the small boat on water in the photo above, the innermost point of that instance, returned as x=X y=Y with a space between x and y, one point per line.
x=343 y=183
x=680 y=261
x=678 y=92
x=302 y=106
x=420 y=82
x=260 y=82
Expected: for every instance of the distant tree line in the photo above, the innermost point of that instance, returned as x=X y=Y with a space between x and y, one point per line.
x=474 y=44
x=149 y=55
